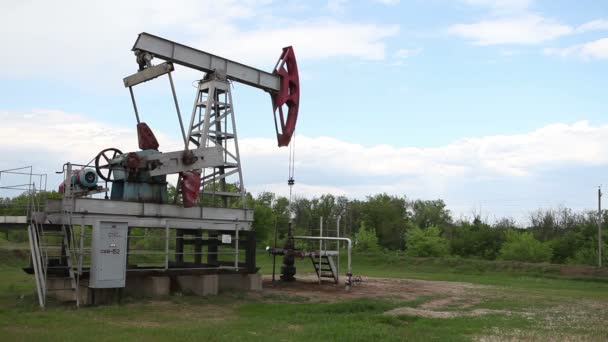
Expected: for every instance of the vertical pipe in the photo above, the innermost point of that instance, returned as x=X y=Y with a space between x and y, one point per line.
x=80 y=261
x=338 y=244
x=274 y=256
x=68 y=183
x=350 y=271
x=33 y=198
x=320 y=245
x=236 y=246
x=81 y=245
x=599 y=226
x=167 y=245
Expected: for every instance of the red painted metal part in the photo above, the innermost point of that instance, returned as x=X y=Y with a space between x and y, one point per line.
x=191 y=186
x=147 y=140
x=289 y=96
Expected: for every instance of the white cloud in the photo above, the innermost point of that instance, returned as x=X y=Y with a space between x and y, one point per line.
x=311 y=40
x=92 y=40
x=511 y=22
x=77 y=137
x=48 y=138
x=594 y=25
x=597 y=49
x=501 y=155
x=520 y=30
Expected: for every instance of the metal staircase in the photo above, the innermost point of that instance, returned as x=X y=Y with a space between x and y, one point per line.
x=325 y=267
x=49 y=268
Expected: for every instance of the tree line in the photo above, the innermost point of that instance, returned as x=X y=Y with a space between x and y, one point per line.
x=426 y=228
x=419 y=228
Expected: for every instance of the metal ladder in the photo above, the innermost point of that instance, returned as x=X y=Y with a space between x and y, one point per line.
x=52 y=267
x=327 y=267
x=38 y=249
x=68 y=249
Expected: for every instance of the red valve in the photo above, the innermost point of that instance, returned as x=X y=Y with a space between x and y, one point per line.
x=289 y=96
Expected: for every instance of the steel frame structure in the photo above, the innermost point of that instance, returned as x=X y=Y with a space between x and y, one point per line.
x=60 y=233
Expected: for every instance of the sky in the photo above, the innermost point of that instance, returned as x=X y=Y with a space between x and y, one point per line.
x=498 y=107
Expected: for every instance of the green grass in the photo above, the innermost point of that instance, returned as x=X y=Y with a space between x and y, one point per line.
x=542 y=294
x=239 y=319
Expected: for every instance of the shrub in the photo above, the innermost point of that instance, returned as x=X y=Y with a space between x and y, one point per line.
x=366 y=239
x=522 y=246
x=426 y=242
x=587 y=255
x=477 y=239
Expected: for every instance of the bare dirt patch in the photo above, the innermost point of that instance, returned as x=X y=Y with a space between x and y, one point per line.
x=405 y=289
x=444 y=314
x=440 y=299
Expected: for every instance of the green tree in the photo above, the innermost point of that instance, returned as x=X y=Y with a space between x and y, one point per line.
x=429 y=213
x=522 y=246
x=366 y=239
x=387 y=215
x=263 y=222
x=426 y=242
x=477 y=239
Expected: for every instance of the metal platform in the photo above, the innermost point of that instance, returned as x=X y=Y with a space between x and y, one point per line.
x=87 y=211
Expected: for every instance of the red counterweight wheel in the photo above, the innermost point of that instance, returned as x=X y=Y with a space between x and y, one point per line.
x=102 y=163
x=288 y=96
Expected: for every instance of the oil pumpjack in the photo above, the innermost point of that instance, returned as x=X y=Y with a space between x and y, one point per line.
x=208 y=239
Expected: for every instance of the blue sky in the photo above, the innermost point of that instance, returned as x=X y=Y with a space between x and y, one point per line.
x=490 y=104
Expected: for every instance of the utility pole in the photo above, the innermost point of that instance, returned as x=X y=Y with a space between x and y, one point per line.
x=599 y=226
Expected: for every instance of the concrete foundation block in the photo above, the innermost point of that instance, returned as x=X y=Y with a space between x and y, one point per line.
x=201 y=285
x=61 y=289
x=148 y=286
x=243 y=282
x=158 y=286
x=232 y=282
x=91 y=296
x=255 y=282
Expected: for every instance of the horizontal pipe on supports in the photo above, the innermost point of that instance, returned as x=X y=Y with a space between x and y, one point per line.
x=328 y=238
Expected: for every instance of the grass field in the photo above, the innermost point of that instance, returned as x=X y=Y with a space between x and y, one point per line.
x=441 y=300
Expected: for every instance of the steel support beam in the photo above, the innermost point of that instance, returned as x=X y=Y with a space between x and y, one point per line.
x=196 y=59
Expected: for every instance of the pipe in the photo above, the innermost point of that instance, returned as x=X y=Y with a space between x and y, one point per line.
x=349 y=273
x=320 y=247
x=338 y=235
